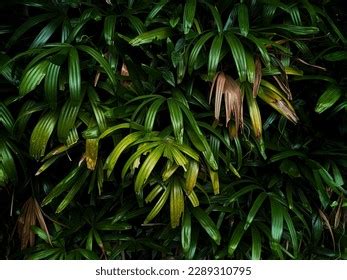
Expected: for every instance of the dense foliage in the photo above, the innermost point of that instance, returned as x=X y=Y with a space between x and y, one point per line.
x=189 y=129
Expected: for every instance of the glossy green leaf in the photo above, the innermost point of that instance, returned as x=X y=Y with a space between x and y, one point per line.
x=258 y=202
x=101 y=60
x=176 y=119
x=143 y=149
x=150 y=36
x=46 y=33
x=336 y=56
x=235 y=239
x=8 y=170
x=108 y=224
x=137 y=24
x=328 y=98
x=177 y=156
x=216 y=16
x=6 y=118
x=241 y=192
x=109 y=28
x=147 y=167
x=47 y=164
x=294 y=29
x=238 y=53
x=30 y=23
x=276 y=224
x=51 y=84
x=156 y=9
x=256 y=244
x=158 y=206
x=338 y=178
x=64 y=184
x=188 y=15
x=214 y=56
x=186 y=231
x=41 y=134
x=176 y=203
x=152 y=113
x=207 y=149
x=33 y=77
x=262 y=49
x=67 y=119
x=74 y=76
x=98 y=112
x=154 y=193
x=118 y=150
x=72 y=192
x=287 y=154
x=44 y=254
x=292 y=232
x=196 y=50
x=191 y=175
x=243 y=19
x=112 y=129
x=207 y=224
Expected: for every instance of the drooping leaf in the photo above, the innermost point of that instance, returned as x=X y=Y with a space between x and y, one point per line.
x=117 y=151
x=147 y=167
x=158 y=206
x=207 y=224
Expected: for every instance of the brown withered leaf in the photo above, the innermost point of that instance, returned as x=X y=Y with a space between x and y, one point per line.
x=337 y=217
x=282 y=81
x=223 y=84
x=30 y=215
x=312 y=65
x=125 y=73
x=258 y=76
x=327 y=224
x=96 y=78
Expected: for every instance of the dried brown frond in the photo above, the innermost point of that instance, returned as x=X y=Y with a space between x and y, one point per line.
x=258 y=76
x=312 y=65
x=282 y=81
x=287 y=111
x=30 y=215
x=125 y=73
x=338 y=213
x=96 y=78
x=327 y=224
x=233 y=99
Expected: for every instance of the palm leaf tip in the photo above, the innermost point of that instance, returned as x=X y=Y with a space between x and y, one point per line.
x=233 y=99
x=287 y=111
x=277 y=101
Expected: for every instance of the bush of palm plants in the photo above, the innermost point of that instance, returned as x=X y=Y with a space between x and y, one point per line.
x=173 y=129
